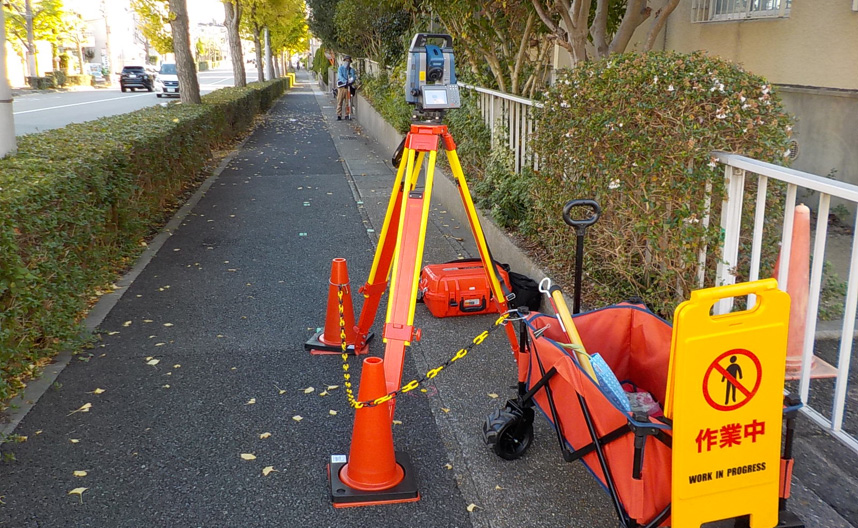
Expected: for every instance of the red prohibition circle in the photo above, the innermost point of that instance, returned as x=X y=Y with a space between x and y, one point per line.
x=748 y=394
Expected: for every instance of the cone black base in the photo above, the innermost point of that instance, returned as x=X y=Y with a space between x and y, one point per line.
x=344 y=496
x=315 y=346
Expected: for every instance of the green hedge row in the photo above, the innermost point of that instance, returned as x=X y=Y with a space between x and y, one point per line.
x=76 y=204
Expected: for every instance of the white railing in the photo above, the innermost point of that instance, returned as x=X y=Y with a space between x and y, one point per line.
x=737 y=169
x=511 y=121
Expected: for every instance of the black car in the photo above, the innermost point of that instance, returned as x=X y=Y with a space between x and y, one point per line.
x=134 y=77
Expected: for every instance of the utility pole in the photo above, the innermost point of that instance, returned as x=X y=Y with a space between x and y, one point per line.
x=31 y=44
x=107 y=42
x=8 y=144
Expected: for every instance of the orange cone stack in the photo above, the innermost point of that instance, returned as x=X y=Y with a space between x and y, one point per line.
x=798 y=285
x=374 y=473
x=328 y=340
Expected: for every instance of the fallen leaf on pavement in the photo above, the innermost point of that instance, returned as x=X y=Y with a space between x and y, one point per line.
x=79 y=473
x=268 y=469
x=84 y=408
x=297 y=417
x=251 y=401
x=332 y=412
x=472 y=507
x=308 y=390
x=153 y=362
x=265 y=435
x=78 y=492
x=248 y=456
x=126 y=323
x=492 y=395
x=98 y=391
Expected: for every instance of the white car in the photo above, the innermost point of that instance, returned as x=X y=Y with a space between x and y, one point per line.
x=167 y=80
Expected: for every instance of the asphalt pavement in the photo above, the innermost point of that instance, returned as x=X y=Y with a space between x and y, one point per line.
x=201 y=363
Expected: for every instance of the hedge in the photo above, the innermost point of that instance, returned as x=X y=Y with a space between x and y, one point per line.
x=76 y=203
x=635 y=132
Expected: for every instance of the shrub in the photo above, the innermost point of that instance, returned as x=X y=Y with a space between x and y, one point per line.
x=321 y=64
x=634 y=132
x=77 y=202
x=78 y=80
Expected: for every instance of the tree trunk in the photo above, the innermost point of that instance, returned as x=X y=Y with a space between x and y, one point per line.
x=233 y=18
x=260 y=72
x=189 y=87
x=269 y=58
x=8 y=144
x=658 y=23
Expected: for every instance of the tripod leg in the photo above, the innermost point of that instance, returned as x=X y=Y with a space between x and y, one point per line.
x=376 y=284
x=479 y=237
x=399 y=326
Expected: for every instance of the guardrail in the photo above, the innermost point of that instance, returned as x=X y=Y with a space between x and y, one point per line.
x=736 y=170
x=510 y=119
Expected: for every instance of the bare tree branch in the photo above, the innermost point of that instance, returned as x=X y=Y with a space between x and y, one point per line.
x=658 y=23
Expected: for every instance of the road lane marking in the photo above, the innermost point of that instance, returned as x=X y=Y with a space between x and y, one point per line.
x=78 y=104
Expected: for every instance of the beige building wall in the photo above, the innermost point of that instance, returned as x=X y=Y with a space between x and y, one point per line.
x=816 y=45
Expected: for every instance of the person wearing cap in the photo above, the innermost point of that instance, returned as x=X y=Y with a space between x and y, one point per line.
x=346 y=77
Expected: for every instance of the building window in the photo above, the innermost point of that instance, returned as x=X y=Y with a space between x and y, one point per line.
x=721 y=10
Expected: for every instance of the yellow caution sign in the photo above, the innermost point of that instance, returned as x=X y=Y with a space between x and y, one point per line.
x=725 y=396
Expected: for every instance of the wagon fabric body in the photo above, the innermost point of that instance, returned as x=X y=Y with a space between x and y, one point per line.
x=635 y=344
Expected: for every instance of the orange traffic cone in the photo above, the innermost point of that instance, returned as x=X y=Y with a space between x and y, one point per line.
x=798 y=285
x=374 y=473
x=328 y=340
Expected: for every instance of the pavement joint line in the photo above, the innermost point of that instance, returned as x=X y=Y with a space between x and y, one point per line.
x=21 y=404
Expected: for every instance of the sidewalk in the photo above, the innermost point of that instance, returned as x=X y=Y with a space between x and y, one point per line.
x=224 y=306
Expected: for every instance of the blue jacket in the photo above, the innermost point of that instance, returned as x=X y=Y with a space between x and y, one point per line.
x=345 y=75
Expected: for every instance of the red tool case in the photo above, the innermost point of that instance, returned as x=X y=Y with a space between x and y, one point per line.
x=459 y=287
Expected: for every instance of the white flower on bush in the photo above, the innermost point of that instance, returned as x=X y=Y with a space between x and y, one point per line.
x=670 y=88
x=655 y=80
x=712 y=163
x=721 y=114
x=691 y=220
x=614 y=184
x=766 y=89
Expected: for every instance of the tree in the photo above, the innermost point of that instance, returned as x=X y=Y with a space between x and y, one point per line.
x=8 y=144
x=372 y=28
x=233 y=13
x=154 y=22
x=506 y=37
x=31 y=20
x=321 y=21
x=587 y=36
x=189 y=86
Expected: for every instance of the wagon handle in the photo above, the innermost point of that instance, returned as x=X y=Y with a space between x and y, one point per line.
x=580 y=230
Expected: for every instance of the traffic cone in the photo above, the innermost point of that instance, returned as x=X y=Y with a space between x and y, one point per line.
x=328 y=340
x=798 y=286
x=373 y=473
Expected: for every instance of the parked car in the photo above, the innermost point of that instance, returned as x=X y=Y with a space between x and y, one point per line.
x=167 y=80
x=134 y=77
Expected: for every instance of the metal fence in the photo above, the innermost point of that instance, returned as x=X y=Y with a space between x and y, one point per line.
x=720 y=10
x=826 y=398
x=511 y=121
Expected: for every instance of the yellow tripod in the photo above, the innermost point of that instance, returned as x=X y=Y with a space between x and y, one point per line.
x=400 y=249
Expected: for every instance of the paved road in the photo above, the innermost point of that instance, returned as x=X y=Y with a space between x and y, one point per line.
x=37 y=111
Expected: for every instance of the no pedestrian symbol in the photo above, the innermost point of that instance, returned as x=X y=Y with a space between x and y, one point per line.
x=732 y=379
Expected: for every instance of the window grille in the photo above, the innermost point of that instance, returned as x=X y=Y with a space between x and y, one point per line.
x=721 y=10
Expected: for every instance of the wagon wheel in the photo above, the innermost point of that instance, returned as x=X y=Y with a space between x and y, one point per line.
x=509 y=432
